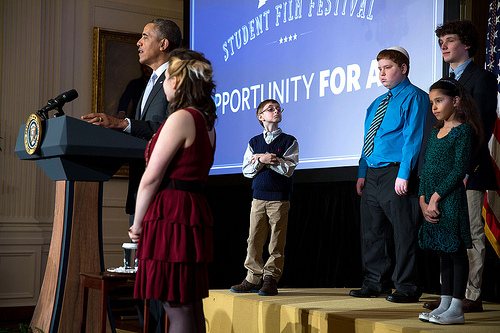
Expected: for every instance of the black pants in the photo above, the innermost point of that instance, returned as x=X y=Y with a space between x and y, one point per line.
x=389 y=232
x=454 y=272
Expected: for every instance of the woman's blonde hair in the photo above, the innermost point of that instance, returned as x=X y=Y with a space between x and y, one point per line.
x=195 y=85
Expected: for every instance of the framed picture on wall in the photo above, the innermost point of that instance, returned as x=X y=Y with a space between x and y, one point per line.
x=118 y=77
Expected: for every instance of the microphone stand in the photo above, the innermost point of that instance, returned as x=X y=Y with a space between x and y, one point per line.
x=44 y=114
x=60 y=111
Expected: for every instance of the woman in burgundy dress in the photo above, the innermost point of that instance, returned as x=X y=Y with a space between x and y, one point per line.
x=173 y=223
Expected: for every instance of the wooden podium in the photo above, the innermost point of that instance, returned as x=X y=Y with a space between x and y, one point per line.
x=79 y=157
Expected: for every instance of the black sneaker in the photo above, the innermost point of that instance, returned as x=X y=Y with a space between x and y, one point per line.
x=246 y=287
x=270 y=287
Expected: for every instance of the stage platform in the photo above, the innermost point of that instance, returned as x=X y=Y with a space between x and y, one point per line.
x=329 y=310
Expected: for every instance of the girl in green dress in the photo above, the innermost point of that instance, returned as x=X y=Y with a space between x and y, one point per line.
x=442 y=193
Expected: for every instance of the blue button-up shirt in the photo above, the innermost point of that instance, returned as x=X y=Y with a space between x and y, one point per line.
x=399 y=137
x=460 y=69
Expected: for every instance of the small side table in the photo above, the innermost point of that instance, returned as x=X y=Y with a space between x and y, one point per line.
x=105 y=282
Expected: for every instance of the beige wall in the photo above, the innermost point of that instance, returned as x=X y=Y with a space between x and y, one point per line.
x=46 y=47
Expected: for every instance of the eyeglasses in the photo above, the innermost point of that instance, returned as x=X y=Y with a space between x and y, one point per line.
x=273 y=109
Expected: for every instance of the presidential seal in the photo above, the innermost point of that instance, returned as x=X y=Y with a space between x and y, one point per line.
x=33 y=134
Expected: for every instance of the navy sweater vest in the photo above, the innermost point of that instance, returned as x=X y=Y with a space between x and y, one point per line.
x=268 y=184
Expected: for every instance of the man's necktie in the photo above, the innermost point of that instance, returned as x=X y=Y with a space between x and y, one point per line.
x=377 y=120
x=452 y=75
x=150 y=85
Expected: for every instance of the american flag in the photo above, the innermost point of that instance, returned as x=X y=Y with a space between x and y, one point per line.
x=491 y=208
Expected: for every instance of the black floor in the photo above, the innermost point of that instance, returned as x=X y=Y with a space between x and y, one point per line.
x=122 y=304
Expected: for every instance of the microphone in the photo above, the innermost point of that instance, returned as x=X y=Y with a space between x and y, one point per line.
x=58 y=102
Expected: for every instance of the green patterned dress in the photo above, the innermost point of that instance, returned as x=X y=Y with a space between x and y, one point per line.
x=445 y=165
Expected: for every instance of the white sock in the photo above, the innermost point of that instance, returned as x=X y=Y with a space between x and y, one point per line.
x=455 y=309
x=443 y=306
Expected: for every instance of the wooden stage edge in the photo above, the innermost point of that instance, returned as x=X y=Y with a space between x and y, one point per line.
x=329 y=310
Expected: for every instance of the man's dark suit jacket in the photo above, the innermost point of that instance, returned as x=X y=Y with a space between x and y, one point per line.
x=145 y=126
x=482 y=85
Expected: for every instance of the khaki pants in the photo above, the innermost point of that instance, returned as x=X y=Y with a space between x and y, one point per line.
x=266 y=217
x=476 y=255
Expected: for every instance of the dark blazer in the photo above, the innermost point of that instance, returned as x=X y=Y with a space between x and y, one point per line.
x=145 y=126
x=482 y=85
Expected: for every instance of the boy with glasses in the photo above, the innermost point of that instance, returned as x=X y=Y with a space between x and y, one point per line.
x=270 y=159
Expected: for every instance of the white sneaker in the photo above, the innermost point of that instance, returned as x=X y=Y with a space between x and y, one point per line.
x=424 y=316
x=447 y=320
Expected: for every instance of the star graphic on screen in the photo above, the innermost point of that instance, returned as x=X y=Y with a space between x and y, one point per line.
x=289 y=38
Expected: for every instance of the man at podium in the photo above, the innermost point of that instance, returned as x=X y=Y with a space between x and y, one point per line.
x=159 y=38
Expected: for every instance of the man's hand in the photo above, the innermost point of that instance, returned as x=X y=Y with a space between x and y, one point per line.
x=360 y=185
x=121 y=115
x=105 y=120
x=401 y=186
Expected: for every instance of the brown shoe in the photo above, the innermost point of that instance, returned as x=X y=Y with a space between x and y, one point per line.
x=472 y=306
x=431 y=305
x=246 y=287
x=270 y=287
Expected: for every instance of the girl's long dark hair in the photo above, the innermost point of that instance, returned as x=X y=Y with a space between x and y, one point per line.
x=195 y=86
x=466 y=111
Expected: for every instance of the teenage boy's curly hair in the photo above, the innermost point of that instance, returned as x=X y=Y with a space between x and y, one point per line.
x=466 y=31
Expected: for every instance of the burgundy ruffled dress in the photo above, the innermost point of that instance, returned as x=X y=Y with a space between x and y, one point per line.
x=175 y=244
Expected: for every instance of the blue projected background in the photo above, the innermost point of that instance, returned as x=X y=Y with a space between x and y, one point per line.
x=317 y=58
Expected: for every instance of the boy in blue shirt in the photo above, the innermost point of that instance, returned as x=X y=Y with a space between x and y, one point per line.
x=387 y=182
x=270 y=159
